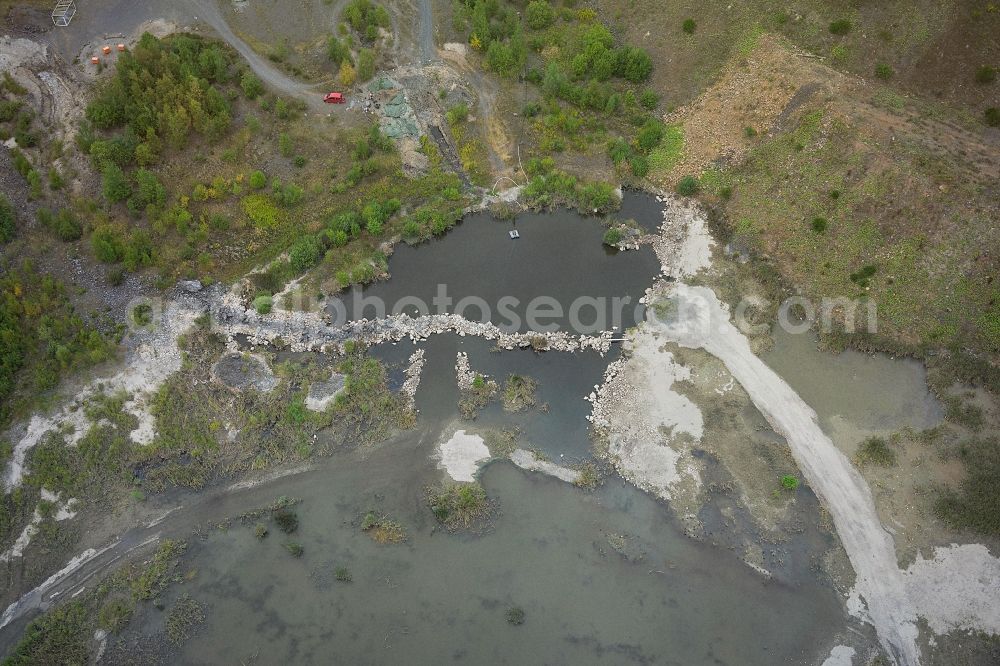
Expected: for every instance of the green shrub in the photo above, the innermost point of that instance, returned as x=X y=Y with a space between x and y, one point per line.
x=263 y=304
x=107 y=244
x=286 y=520
x=818 y=224
x=515 y=616
x=258 y=180
x=342 y=575
x=7 y=219
x=115 y=185
x=34 y=185
x=613 y=236
x=688 y=186
x=689 y=26
x=539 y=14
x=457 y=114
x=986 y=74
x=305 y=253
x=142 y=314
x=251 y=85
x=884 y=71
x=366 y=64
x=876 y=451
x=9 y=109
x=862 y=276
x=649 y=99
x=789 y=482
x=639 y=165
x=840 y=27
x=650 y=135
x=294 y=548
x=991 y=116
x=149 y=191
x=459 y=506
x=976 y=503
x=634 y=64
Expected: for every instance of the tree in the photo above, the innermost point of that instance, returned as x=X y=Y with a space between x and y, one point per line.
x=347 y=74
x=539 y=14
x=7 y=219
x=107 y=244
x=252 y=86
x=649 y=99
x=634 y=64
x=149 y=191
x=366 y=64
x=337 y=51
x=650 y=135
x=305 y=253
x=688 y=186
x=258 y=180
x=115 y=183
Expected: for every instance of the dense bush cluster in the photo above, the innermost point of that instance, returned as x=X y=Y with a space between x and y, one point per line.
x=160 y=93
x=549 y=186
x=41 y=333
x=366 y=17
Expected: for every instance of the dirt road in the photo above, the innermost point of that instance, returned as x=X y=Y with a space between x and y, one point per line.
x=208 y=12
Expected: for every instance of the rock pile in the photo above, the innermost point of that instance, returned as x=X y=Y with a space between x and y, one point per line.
x=413 y=370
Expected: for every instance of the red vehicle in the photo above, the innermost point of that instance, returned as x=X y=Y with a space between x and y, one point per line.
x=334 y=98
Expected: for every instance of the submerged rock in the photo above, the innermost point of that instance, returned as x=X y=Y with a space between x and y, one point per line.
x=244 y=371
x=322 y=393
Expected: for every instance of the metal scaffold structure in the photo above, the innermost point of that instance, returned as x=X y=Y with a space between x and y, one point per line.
x=63 y=12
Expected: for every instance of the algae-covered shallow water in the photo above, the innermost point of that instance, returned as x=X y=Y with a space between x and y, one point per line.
x=855 y=395
x=603 y=577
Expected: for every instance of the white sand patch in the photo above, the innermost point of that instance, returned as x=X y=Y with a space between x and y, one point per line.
x=840 y=656
x=650 y=428
x=683 y=244
x=154 y=358
x=701 y=321
x=958 y=589
x=461 y=455
x=526 y=460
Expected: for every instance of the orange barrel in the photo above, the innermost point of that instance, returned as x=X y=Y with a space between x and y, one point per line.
x=121 y=47
x=107 y=50
x=95 y=60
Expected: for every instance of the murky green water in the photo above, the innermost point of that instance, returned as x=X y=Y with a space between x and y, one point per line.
x=855 y=395
x=442 y=597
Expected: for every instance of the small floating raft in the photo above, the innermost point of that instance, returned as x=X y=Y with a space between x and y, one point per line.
x=514 y=233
